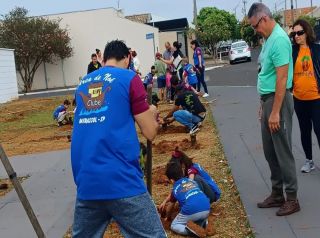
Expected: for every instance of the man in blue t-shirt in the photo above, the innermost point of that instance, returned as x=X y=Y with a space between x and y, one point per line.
x=105 y=151
x=194 y=204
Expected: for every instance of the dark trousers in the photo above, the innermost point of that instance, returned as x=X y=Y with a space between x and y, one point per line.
x=200 y=77
x=277 y=147
x=308 y=113
x=173 y=93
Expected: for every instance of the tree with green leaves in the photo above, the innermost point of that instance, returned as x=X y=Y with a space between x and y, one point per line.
x=277 y=16
x=248 y=34
x=36 y=40
x=214 y=25
x=311 y=20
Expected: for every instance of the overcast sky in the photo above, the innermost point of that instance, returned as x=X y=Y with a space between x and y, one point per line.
x=168 y=9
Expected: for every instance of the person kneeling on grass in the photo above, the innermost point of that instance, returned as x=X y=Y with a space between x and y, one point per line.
x=192 y=113
x=61 y=114
x=194 y=204
x=196 y=172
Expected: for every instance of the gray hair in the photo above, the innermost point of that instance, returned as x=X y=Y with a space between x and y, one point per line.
x=258 y=9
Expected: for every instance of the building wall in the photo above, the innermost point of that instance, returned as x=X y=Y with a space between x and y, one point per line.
x=8 y=78
x=90 y=30
x=296 y=14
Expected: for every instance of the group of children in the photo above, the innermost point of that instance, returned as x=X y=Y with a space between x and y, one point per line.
x=168 y=80
x=194 y=190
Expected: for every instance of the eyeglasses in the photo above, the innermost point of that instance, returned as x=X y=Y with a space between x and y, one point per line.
x=256 y=25
x=299 y=33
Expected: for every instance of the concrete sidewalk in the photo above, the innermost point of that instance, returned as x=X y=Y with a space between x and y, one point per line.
x=50 y=190
x=235 y=113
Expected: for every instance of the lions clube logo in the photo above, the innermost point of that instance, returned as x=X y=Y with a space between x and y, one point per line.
x=94 y=101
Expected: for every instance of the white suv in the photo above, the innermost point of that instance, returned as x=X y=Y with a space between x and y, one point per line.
x=239 y=51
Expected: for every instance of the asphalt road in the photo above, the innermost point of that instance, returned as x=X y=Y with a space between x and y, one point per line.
x=239 y=74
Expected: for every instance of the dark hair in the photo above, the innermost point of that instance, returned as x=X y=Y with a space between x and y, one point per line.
x=195 y=42
x=116 y=49
x=97 y=51
x=66 y=102
x=174 y=171
x=93 y=55
x=153 y=67
x=183 y=159
x=311 y=38
x=177 y=45
x=134 y=53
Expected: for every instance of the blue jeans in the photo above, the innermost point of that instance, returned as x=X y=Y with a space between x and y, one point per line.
x=136 y=216
x=178 y=225
x=186 y=118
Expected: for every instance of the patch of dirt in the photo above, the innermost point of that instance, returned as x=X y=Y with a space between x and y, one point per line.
x=173 y=129
x=6 y=186
x=165 y=145
x=227 y=217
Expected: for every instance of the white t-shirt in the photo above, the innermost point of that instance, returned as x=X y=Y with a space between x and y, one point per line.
x=136 y=64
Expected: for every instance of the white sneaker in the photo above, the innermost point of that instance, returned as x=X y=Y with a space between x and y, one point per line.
x=205 y=95
x=308 y=166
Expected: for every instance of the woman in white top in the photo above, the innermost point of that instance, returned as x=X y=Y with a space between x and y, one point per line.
x=136 y=62
x=176 y=59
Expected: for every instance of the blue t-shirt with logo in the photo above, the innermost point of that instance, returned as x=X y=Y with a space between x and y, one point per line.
x=191 y=73
x=207 y=178
x=105 y=146
x=196 y=53
x=191 y=199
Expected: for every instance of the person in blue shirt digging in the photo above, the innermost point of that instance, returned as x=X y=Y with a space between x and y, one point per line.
x=194 y=204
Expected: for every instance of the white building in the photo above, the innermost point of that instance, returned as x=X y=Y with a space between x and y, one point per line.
x=89 y=30
x=8 y=77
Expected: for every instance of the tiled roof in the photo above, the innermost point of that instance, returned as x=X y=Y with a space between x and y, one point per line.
x=141 y=18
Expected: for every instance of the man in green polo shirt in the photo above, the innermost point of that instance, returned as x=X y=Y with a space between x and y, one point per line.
x=274 y=82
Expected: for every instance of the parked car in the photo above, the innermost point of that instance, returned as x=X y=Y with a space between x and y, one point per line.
x=239 y=50
x=223 y=50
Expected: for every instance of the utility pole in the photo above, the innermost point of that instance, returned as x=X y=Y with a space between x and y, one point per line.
x=195 y=12
x=244 y=9
x=311 y=8
x=284 y=14
x=292 y=15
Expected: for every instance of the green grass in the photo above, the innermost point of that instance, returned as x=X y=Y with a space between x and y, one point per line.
x=30 y=120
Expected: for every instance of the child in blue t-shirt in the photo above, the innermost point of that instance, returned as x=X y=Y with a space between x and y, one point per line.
x=61 y=114
x=189 y=73
x=148 y=80
x=196 y=172
x=194 y=204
